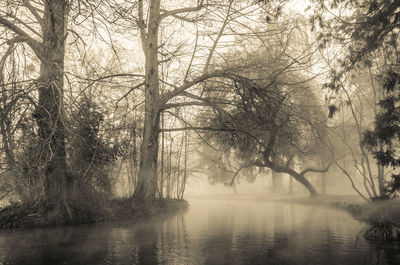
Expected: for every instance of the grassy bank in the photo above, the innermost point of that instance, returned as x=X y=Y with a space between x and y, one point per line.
x=323 y=200
x=382 y=217
x=45 y=214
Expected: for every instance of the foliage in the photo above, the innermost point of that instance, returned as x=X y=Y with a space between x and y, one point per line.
x=386 y=132
x=89 y=154
x=366 y=27
x=221 y=164
x=363 y=26
x=267 y=115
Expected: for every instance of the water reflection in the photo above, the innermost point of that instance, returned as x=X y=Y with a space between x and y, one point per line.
x=210 y=232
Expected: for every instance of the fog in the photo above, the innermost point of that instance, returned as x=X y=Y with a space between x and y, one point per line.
x=199 y=132
x=227 y=231
x=263 y=185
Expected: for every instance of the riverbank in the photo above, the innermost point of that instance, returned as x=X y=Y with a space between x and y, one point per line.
x=382 y=217
x=45 y=215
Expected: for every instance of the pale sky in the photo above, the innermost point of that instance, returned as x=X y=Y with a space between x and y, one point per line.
x=298 y=5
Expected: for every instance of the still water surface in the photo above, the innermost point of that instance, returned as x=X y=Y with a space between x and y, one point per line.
x=210 y=232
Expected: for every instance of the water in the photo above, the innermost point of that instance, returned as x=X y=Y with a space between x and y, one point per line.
x=210 y=232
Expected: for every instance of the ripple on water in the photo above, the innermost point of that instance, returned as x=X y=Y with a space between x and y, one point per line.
x=210 y=232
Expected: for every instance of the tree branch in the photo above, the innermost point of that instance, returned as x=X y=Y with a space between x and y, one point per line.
x=23 y=23
x=220 y=33
x=315 y=170
x=23 y=36
x=181 y=10
x=290 y=159
x=34 y=12
x=178 y=90
x=142 y=26
x=197 y=129
x=193 y=55
x=184 y=104
x=234 y=176
x=129 y=91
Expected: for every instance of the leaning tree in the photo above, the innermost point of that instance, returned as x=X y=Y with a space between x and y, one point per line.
x=265 y=112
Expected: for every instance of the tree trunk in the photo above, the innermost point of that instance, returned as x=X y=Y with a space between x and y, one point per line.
x=290 y=185
x=50 y=110
x=178 y=170
x=147 y=178
x=381 y=179
x=323 y=182
x=169 y=185
x=183 y=186
x=291 y=165
x=277 y=182
x=234 y=187
x=162 y=159
x=323 y=179
x=299 y=177
x=135 y=152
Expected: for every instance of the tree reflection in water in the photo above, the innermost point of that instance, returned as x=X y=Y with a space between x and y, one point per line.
x=210 y=232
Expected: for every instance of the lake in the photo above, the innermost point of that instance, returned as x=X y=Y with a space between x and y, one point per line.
x=211 y=231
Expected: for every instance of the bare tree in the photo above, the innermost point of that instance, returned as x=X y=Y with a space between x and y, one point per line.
x=152 y=16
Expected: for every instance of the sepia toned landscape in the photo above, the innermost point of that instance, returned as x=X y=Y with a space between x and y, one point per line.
x=199 y=132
